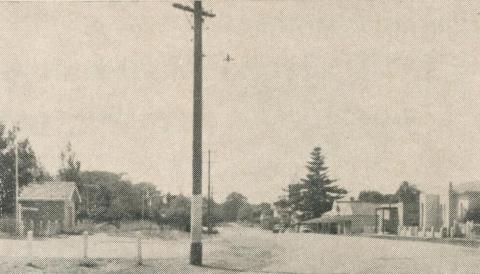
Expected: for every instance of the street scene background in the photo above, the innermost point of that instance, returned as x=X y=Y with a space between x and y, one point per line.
x=328 y=137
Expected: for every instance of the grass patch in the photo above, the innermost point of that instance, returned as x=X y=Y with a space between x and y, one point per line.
x=89 y=263
x=149 y=230
x=32 y=265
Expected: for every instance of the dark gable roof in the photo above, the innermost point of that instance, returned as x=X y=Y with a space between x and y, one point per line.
x=49 y=191
x=347 y=210
x=473 y=186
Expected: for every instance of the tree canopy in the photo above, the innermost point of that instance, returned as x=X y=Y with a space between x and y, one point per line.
x=317 y=191
x=29 y=168
x=70 y=171
x=373 y=196
x=233 y=203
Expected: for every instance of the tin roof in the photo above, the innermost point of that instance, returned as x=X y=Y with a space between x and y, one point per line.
x=49 y=191
x=346 y=210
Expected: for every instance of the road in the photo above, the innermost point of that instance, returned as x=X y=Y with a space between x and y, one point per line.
x=318 y=253
x=251 y=250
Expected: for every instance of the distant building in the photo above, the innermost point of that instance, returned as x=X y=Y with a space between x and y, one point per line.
x=49 y=204
x=458 y=201
x=389 y=218
x=346 y=217
x=430 y=211
x=448 y=210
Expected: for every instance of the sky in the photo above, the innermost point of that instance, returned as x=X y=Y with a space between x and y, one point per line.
x=388 y=89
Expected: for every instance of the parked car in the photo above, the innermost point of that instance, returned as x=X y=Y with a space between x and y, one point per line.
x=277 y=228
x=305 y=229
x=213 y=231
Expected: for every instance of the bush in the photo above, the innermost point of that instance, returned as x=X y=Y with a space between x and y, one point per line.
x=7 y=225
x=89 y=263
x=473 y=214
x=269 y=222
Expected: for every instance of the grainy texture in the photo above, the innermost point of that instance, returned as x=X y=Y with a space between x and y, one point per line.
x=385 y=92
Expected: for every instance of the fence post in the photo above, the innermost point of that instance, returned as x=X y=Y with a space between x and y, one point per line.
x=40 y=228
x=85 y=244
x=30 y=247
x=21 y=229
x=49 y=228
x=56 y=227
x=32 y=225
x=139 y=247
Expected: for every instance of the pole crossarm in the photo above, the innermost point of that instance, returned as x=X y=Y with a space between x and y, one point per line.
x=190 y=9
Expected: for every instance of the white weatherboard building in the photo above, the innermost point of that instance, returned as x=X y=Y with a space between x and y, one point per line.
x=346 y=217
x=449 y=209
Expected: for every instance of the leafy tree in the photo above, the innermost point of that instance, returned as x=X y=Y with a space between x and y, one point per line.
x=29 y=169
x=216 y=212
x=282 y=203
x=42 y=175
x=148 y=197
x=232 y=205
x=70 y=170
x=318 y=192
x=177 y=213
x=246 y=214
x=112 y=198
x=409 y=195
x=263 y=208
x=101 y=185
x=373 y=196
x=473 y=214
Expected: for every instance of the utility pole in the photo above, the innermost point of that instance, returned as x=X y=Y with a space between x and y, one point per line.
x=145 y=195
x=17 y=207
x=209 y=218
x=197 y=199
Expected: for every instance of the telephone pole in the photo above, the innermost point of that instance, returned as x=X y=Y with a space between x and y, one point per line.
x=197 y=199
x=209 y=216
x=17 y=185
x=18 y=221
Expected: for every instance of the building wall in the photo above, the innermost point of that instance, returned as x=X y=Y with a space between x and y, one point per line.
x=464 y=202
x=390 y=218
x=445 y=210
x=47 y=220
x=69 y=215
x=353 y=224
x=452 y=206
x=363 y=224
x=47 y=210
x=430 y=213
x=455 y=205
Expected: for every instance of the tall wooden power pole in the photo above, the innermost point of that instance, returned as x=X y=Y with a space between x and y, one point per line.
x=197 y=199
x=209 y=216
x=18 y=216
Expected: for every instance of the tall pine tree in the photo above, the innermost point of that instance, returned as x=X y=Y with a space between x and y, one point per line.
x=318 y=191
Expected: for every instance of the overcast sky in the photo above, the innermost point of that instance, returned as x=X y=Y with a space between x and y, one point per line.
x=388 y=89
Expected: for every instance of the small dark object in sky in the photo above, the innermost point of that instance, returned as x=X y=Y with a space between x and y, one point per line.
x=228 y=58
